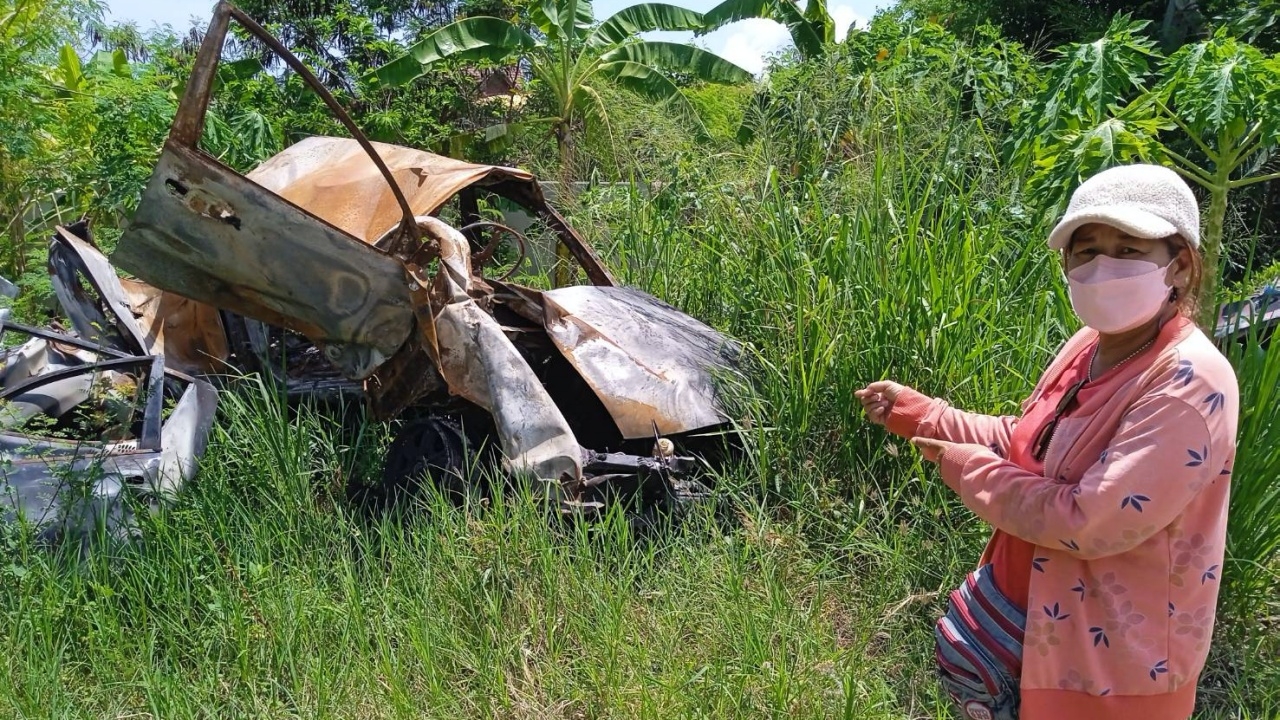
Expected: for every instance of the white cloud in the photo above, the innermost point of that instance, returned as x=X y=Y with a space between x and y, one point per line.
x=746 y=43
x=749 y=41
x=845 y=17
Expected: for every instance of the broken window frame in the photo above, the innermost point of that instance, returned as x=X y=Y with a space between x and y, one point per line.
x=152 y=405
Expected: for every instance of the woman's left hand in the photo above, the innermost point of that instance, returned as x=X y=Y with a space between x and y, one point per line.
x=930 y=448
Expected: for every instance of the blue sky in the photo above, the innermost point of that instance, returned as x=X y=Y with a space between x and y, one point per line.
x=745 y=43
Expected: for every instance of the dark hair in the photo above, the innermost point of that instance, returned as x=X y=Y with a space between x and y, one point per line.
x=1189 y=299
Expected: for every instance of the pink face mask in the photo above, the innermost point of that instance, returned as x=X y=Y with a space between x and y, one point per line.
x=1113 y=296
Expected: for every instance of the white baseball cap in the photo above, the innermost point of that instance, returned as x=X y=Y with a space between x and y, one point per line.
x=1146 y=201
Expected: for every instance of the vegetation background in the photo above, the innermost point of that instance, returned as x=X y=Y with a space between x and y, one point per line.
x=873 y=207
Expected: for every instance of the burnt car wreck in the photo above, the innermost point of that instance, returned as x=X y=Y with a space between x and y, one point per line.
x=93 y=424
x=330 y=267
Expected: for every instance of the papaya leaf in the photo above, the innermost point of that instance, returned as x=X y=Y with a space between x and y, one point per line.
x=1220 y=85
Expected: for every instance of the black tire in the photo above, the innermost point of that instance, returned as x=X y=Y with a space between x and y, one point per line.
x=433 y=451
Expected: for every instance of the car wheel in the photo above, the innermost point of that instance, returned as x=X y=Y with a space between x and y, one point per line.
x=435 y=451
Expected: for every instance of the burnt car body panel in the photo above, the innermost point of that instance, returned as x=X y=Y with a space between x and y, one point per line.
x=84 y=436
x=207 y=233
x=652 y=366
x=1258 y=314
x=336 y=240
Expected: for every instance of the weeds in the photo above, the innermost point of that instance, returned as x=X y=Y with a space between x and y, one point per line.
x=907 y=254
x=261 y=595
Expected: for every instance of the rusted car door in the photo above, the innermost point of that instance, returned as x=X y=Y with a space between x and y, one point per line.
x=204 y=231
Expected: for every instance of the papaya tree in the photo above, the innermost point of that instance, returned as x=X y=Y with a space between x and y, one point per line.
x=1223 y=95
x=572 y=55
x=1210 y=111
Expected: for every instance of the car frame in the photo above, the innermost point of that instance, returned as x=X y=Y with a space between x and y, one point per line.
x=593 y=391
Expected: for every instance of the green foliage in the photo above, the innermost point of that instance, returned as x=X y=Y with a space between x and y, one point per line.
x=31 y=33
x=1067 y=132
x=123 y=121
x=721 y=108
x=1254 y=540
x=812 y=113
x=469 y=39
x=1257 y=22
x=341 y=39
x=1099 y=108
x=1173 y=23
x=1034 y=22
x=1224 y=86
x=573 y=59
x=631 y=21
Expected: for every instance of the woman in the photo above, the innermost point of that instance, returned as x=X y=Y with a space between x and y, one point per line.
x=1095 y=596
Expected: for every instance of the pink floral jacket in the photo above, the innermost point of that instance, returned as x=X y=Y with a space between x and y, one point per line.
x=1129 y=522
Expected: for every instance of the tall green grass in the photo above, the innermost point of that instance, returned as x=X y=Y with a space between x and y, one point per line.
x=263 y=594
x=1254 y=543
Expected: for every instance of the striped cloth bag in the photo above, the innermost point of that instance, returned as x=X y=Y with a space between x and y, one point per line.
x=979 y=649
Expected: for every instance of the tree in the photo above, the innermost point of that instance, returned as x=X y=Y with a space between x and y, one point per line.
x=812 y=30
x=1214 y=117
x=1257 y=22
x=572 y=55
x=31 y=32
x=115 y=117
x=1174 y=23
x=341 y=40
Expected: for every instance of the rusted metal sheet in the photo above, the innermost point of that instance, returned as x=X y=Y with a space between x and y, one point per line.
x=188 y=123
x=334 y=179
x=189 y=334
x=479 y=363
x=206 y=232
x=90 y=293
x=648 y=363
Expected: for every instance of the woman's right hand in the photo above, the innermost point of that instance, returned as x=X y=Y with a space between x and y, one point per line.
x=877 y=399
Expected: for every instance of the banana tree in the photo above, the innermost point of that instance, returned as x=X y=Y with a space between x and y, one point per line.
x=812 y=29
x=572 y=56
